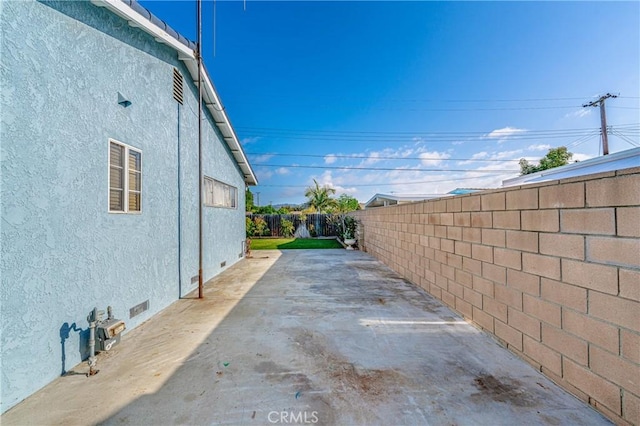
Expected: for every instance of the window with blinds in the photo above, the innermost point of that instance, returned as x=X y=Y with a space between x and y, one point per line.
x=125 y=178
x=219 y=194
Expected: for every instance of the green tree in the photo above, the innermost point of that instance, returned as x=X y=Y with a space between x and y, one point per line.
x=320 y=197
x=347 y=203
x=248 y=197
x=556 y=157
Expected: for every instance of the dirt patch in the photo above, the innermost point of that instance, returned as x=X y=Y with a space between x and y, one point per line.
x=506 y=390
x=346 y=377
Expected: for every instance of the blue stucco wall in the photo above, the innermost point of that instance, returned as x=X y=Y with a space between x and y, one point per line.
x=61 y=67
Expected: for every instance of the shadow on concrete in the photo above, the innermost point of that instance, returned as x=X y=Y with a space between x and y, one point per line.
x=305 y=337
x=328 y=337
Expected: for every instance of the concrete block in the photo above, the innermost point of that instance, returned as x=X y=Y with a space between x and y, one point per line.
x=540 y=220
x=595 y=386
x=481 y=219
x=483 y=319
x=630 y=345
x=470 y=203
x=526 y=283
x=493 y=237
x=620 y=371
x=592 y=330
x=565 y=343
x=483 y=286
x=509 y=334
x=564 y=294
x=544 y=355
x=617 y=191
x=570 y=195
x=462 y=219
x=472 y=235
x=545 y=266
x=493 y=201
x=593 y=276
x=508 y=296
x=481 y=252
x=522 y=240
x=588 y=221
x=524 y=199
x=494 y=308
x=628 y=221
x=506 y=219
x=562 y=245
x=495 y=273
x=524 y=323
x=622 y=312
x=508 y=258
x=614 y=251
x=546 y=312
x=629 y=284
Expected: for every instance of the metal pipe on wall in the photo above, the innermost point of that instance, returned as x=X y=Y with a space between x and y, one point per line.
x=199 y=59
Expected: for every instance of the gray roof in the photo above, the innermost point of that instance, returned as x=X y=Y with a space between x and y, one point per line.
x=159 y=23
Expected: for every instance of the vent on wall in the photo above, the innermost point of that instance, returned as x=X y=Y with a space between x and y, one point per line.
x=139 y=308
x=178 y=86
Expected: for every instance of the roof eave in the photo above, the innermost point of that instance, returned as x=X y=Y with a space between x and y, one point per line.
x=187 y=55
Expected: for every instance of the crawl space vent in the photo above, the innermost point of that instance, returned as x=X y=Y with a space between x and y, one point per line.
x=178 y=86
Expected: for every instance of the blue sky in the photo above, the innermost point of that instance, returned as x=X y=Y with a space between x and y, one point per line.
x=415 y=97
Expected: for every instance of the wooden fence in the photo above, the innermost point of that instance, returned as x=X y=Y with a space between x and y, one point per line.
x=319 y=225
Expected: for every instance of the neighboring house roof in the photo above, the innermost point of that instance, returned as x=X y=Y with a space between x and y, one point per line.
x=380 y=200
x=139 y=17
x=606 y=163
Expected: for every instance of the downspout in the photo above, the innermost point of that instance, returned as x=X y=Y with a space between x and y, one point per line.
x=179 y=214
x=199 y=61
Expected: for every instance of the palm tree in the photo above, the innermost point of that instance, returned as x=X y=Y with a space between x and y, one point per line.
x=320 y=197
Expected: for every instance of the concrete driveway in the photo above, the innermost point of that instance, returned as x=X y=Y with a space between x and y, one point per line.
x=306 y=337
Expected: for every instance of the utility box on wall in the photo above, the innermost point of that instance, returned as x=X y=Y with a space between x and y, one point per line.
x=108 y=333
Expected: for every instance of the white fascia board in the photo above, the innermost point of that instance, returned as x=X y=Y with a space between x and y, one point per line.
x=217 y=110
x=136 y=20
x=187 y=56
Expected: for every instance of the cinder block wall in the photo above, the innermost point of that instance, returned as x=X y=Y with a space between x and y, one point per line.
x=552 y=270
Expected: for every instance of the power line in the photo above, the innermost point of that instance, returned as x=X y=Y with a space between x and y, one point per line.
x=297 y=166
x=386 y=183
x=369 y=157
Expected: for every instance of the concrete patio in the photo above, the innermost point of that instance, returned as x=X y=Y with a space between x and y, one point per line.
x=306 y=336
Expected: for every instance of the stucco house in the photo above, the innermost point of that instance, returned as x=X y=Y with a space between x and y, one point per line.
x=100 y=182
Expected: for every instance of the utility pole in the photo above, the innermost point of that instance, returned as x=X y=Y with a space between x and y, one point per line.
x=258 y=199
x=603 y=119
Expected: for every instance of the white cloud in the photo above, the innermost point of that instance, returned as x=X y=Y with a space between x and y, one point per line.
x=539 y=147
x=583 y=112
x=580 y=157
x=283 y=171
x=330 y=159
x=505 y=133
x=261 y=158
x=250 y=140
x=433 y=158
x=477 y=156
x=505 y=155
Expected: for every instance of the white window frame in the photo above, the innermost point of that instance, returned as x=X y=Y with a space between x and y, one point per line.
x=126 y=190
x=230 y=194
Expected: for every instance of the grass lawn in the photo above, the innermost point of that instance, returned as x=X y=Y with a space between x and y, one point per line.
x=293 y=243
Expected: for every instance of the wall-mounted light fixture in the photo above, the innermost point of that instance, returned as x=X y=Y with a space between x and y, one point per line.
x=122 y=100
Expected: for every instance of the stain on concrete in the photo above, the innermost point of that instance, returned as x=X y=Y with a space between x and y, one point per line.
x=507 y=390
